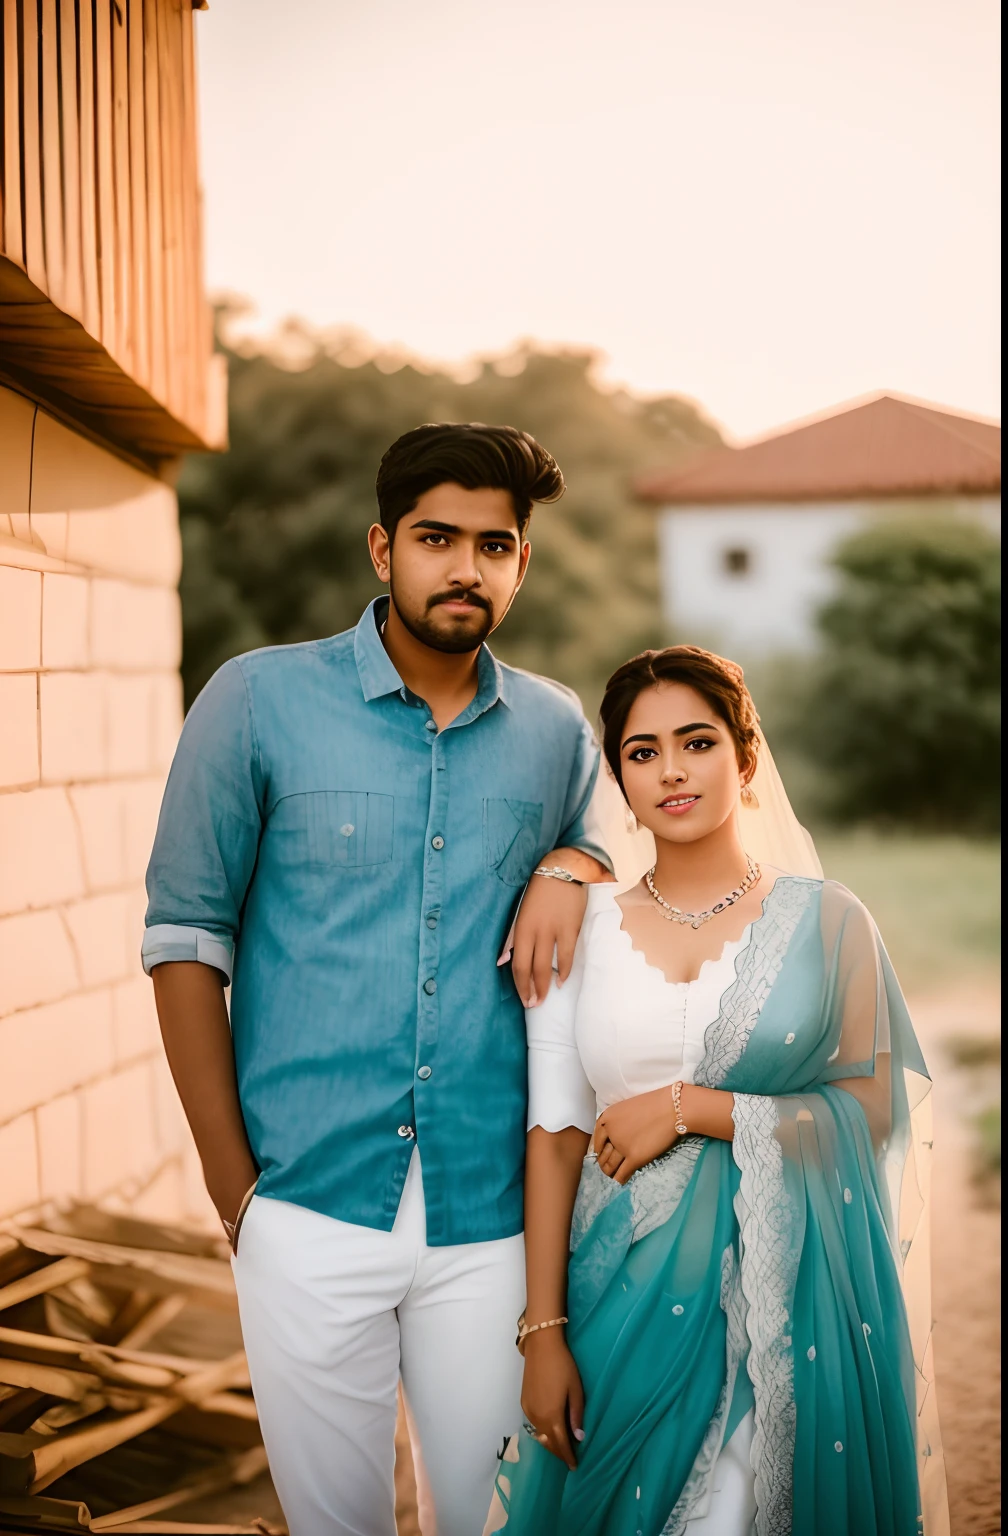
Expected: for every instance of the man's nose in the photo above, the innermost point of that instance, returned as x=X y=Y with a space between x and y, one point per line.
x=465 y=571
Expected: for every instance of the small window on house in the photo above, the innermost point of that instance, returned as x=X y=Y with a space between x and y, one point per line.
x=736 y=562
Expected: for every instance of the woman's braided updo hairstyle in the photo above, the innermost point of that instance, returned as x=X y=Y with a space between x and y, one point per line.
x=720 y=681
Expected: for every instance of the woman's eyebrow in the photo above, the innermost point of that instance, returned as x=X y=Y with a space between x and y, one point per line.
x=682 y=730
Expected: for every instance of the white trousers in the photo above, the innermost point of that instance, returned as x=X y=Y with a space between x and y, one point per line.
x=331 y=1314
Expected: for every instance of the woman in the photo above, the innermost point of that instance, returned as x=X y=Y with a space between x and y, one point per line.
x=716 y=1339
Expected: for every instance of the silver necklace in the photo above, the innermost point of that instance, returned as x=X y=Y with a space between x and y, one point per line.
x=697 y=919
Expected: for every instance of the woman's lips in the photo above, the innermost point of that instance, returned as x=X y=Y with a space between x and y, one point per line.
x=679 y=806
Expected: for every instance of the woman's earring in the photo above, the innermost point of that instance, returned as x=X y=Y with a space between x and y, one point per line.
x=630 y=820
x=749 y=799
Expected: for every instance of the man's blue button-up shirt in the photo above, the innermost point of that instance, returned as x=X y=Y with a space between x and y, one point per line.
x=355 y=871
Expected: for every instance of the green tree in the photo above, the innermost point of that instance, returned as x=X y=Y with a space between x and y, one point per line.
x=274 y=530
x=901 y=712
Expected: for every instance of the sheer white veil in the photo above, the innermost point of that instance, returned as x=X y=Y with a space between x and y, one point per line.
x=771 y=831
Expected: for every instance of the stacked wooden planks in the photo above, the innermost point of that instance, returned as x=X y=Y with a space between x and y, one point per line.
x=102 y=310
x=124 y=1390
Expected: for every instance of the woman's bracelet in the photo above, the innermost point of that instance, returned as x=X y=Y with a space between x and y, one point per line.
x=525 y=1329
x=557 y=872
x=682 y=1129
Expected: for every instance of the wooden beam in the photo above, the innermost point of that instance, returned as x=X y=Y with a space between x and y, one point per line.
x=31 y=151
x=42 y=1280
x=88 y=172
x=105 y=170
x=73 y=294
x=52 y=156
x=54 y=1381
x=13 y=235
x=121 y=175
x=68 y=1451
x=138 y=196
x=238 y=1470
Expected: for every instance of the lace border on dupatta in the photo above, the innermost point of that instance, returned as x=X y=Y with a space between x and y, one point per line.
x=768 y=1267
x=696 y=1491
x=756 y=970
x=769 y=1272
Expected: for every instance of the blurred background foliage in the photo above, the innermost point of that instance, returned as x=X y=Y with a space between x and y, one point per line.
x=895 y=719
x=274 y=530
x=891 y=723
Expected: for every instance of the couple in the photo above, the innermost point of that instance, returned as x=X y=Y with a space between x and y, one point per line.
x=721 y=1164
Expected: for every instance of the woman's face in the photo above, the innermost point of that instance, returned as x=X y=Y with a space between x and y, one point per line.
x=680 y=772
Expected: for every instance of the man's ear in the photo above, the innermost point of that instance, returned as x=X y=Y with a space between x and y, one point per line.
x=380 y=550
x=523 y=561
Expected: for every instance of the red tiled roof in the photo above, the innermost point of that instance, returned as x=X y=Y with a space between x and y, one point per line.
x=885 y=446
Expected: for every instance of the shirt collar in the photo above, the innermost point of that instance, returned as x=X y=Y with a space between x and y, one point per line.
x=378 y=677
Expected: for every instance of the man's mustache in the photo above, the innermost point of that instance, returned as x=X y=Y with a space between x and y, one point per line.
x=459 y=597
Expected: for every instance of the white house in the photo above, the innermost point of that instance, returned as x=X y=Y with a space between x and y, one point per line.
x=746 y=534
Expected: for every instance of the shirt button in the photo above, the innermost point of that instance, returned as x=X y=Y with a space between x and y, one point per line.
x=430 y=725
x=424 y=1073
x=437 y=842
x=430 y=986
x=405 y=1131
x=432 y=920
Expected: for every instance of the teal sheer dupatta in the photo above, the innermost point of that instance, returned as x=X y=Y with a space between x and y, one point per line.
x=769 y=1271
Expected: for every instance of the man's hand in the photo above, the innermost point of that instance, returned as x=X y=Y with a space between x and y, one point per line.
x=634 y=1132
x=549 y=918
x=197 y=1039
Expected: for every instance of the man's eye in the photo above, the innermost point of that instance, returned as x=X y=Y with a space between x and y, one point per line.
x=435 y=538
x=495 y=549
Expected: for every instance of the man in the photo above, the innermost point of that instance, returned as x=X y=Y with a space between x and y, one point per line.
x=346 y=833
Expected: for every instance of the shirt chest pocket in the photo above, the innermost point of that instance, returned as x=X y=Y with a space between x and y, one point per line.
x=512 y=834
x=333 y=828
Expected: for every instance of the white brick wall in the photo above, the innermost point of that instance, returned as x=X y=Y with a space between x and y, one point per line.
x=90 y=710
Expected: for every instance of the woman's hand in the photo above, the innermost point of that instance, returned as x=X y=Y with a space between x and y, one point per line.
x=634 y=1132
x=552 y=1396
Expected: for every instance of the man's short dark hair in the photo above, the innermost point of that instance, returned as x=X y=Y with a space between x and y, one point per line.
x=468 y=454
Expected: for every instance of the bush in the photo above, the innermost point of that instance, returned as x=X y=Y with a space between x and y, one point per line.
x=901 y=709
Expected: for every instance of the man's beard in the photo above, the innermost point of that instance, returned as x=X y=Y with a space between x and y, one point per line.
x=464 y=638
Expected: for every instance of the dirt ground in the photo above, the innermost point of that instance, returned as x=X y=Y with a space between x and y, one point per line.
x=966 y=1263
x=966 y=1253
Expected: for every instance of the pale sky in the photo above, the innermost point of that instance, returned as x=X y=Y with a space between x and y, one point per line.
x=768 y=205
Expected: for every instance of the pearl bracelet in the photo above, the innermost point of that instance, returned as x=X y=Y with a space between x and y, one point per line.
x=524 y=1329
x=682 y=1129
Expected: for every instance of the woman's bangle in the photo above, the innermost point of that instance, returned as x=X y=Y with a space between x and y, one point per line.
x=525 y=1329
x=557 y=872
x=682 y=1129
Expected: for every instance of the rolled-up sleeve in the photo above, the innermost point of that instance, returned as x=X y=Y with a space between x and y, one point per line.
x=208 y=831
x=560 y=1094
x=581 y=827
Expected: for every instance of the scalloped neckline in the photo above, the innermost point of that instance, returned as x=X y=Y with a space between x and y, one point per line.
x=739 y=945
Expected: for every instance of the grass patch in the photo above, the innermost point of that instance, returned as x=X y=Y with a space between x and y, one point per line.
x=987 y=1148
x=936 y=900
x=974 y=1051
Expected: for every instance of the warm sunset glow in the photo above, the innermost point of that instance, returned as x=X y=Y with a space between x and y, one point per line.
x=770 y=208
